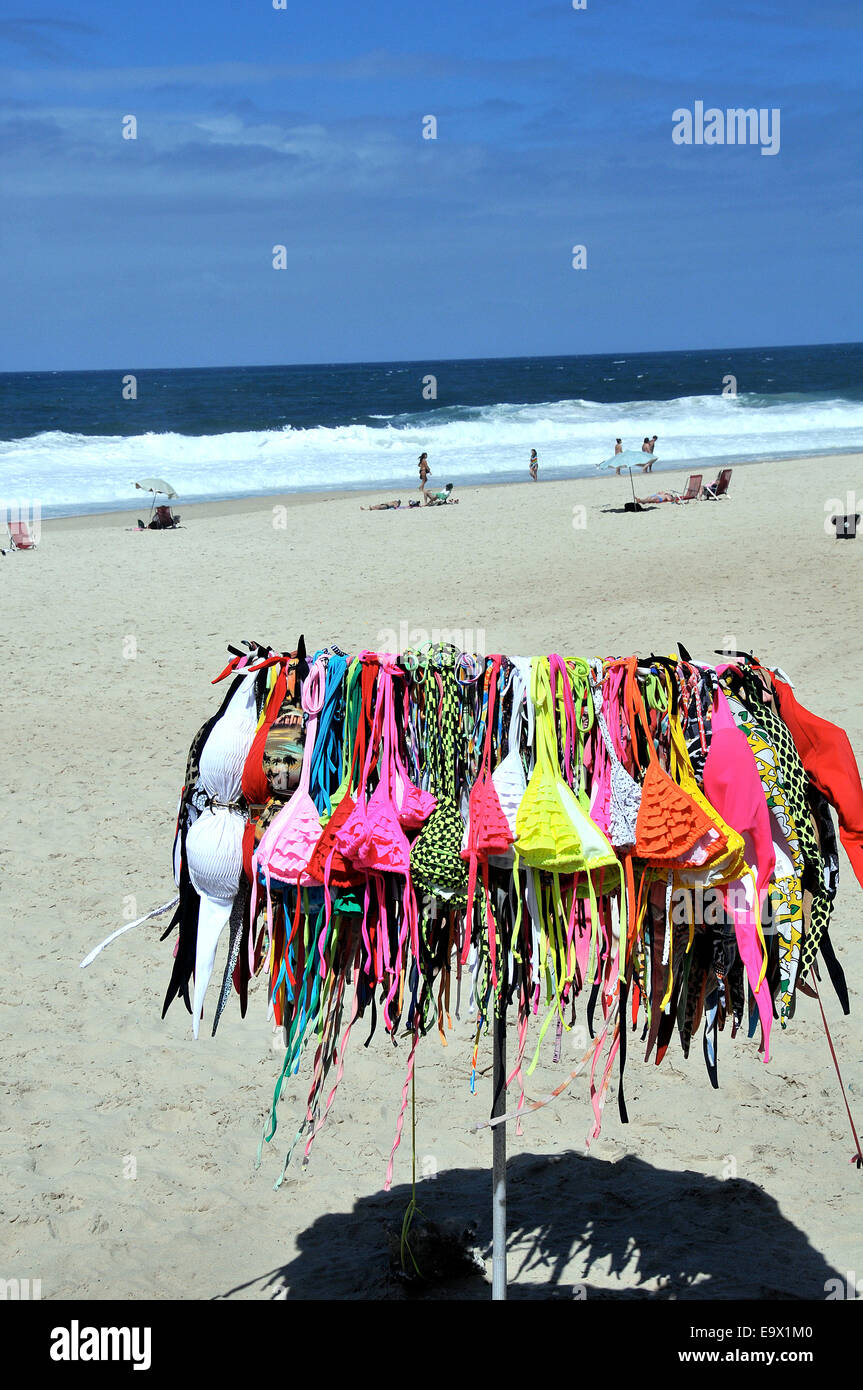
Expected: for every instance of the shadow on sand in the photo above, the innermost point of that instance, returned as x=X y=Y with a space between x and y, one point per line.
x=654 y=1234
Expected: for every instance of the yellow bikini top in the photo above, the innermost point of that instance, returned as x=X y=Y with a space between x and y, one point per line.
x=553 y=832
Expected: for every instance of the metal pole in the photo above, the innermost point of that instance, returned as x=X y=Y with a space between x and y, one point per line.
x=498 y=1222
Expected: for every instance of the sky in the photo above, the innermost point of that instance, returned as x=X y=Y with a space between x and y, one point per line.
x=303 y=127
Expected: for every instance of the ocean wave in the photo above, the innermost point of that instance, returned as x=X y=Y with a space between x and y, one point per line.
x=465 y=443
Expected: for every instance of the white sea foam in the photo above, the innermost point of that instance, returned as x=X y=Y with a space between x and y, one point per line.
x=72 y=471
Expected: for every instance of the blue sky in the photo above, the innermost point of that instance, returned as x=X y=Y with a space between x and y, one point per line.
x=303 y=127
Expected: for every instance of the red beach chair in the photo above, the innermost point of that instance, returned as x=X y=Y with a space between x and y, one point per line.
x=20 y=537
x=719 y=488
x=692 y=489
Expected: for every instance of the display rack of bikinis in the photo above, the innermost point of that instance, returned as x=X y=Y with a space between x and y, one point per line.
x=642 y=844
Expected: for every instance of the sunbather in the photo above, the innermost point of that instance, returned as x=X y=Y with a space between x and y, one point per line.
x=441 y=499
x=660 y=497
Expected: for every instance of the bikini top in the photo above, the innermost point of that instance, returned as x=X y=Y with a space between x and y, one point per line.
x=289 y=840
x=672 y=831
x=596 y=851
x=223 y=756
x=771 y=741
x=554 y=833
x=509 y=778
x=487 y=830
x=372 y=837
x=193 y=799
x=214 y=839
x=826 y=753
x=727 y=860
x=623 y=796
x=327 y=864
x=436 y=862
x=733 y=785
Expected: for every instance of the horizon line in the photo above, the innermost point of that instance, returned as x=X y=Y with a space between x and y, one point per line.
x=422 y=361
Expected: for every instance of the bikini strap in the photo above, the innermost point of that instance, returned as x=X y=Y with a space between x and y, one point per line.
x=312 y=699
x=491 y=692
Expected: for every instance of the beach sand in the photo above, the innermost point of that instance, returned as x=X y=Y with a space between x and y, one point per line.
x=128 y=1149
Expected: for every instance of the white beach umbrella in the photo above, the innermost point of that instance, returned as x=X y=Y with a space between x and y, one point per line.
x=629 y=459
x=156 y=485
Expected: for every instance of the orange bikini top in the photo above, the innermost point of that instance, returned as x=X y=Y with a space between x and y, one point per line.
x=672 y=831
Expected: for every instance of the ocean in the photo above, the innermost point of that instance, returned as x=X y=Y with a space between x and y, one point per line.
x=70 y=442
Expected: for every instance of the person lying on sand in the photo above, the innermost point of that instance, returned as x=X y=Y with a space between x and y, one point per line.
x=659 y=497
x=384 y=506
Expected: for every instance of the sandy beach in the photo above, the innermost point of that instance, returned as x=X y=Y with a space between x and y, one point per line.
x=128 y=1148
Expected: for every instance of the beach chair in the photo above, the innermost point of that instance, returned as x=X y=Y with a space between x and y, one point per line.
x=20 y=537
x=719 y=488
x=692 y=490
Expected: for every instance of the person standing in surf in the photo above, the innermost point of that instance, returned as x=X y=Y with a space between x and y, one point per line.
x=533 y=466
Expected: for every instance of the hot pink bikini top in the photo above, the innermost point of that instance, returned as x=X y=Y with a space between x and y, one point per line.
x=289 y=840
x=732 y=784
x=488 y=829
x=373 y=837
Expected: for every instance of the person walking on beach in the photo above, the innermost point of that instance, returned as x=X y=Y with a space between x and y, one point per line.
x=533 y=466
x=425 y=473
x=618 y=446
